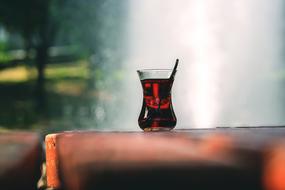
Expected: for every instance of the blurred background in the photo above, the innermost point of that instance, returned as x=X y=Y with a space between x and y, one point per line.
x=70 y=64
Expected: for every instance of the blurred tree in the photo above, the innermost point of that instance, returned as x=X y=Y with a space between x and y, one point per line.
x=35 y=21
x=88 y=29
x=93 y=25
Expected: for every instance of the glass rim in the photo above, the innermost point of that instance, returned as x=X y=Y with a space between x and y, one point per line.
x=155 y=73
x=146 y=70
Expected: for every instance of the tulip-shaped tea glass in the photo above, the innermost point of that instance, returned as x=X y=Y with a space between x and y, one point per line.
x=157 y=111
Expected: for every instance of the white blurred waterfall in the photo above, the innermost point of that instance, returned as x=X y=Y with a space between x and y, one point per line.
x=230 y=52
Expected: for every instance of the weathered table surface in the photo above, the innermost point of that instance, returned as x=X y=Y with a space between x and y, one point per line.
x=20 y=160
x=220 y=158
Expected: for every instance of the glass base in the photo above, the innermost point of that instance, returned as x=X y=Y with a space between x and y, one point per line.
x=148 y=129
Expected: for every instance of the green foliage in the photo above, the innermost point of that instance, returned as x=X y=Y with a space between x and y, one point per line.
x=65 y=83
x=90 y=28
x=4 y=56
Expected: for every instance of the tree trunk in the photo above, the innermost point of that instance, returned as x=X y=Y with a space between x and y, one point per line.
x=41 y=61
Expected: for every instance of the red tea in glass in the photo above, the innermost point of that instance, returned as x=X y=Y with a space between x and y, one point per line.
x=157 y=111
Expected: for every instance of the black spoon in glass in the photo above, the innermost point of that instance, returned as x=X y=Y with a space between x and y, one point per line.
x=170 y=78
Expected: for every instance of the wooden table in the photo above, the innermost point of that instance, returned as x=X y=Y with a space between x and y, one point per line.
x=20 y=160
x=221 y=158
